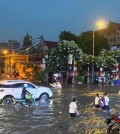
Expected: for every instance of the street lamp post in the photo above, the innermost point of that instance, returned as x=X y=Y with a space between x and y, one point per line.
x=8 y=53
x=100 y=24
x=10 y=71
x=93 y=56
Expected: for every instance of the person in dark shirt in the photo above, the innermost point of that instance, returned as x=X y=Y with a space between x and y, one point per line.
x=24 y=92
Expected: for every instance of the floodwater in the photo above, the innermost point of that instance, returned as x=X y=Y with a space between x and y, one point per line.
x=52 y=117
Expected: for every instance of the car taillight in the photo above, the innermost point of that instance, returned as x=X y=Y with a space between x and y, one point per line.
x=1 y=90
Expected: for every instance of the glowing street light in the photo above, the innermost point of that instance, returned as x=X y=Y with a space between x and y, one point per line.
x=8 y=52
x=99 y=25
x=5 y=52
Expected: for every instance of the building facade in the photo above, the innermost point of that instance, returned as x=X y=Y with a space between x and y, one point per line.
x=112 y=33
x=11 y=45
x=41 y=51
x=15 y=63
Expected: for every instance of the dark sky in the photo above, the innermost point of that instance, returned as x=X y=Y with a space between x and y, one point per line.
x=50 y=17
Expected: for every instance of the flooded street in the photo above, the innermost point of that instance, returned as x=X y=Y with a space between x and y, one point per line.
x=52 y=117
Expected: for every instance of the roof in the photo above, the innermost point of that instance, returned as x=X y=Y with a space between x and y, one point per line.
x=12 y=81
x=51 y=44
x=113 y=25
x=4 y=45
x=45 y=46
x=112 y=28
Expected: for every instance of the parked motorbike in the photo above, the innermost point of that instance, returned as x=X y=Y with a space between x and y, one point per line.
x=114 y=127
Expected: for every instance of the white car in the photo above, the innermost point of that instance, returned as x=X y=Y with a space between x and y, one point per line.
x=12 y=89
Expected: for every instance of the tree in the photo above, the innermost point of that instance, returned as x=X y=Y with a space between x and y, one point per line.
x=106 y=59
x=67 y=35
x=36 y=72
x=58 y=57
x=116 y=54
x=85 y=42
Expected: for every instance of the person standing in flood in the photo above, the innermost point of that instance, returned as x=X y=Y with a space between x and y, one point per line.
x=106 y=98
x=58 y=85
x=73 y=108
x=97 y=101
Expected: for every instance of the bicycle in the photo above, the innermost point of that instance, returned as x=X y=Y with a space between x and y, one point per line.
x=29 y=102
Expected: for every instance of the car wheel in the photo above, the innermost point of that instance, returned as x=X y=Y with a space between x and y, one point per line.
x=8 y=100
x=44 y=97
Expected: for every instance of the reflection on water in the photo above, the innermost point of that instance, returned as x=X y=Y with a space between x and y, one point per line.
x=26 y=120
x=52 y=117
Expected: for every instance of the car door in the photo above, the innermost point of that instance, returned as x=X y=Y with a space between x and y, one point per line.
x=17 y=90
x=33 y=90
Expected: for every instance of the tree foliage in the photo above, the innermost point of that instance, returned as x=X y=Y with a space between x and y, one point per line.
x=67 y=35
x=106 y=59
x=85 y=41
x=58 y=57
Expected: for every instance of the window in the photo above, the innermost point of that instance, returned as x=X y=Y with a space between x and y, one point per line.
x=18 y=85
x=5 y=86
x=30 y=85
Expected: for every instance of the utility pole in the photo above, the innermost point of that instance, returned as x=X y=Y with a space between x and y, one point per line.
x=10 y=58
x=93 y=57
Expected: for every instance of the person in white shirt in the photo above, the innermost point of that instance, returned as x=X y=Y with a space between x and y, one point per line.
x=119 y=92
x=106 y=98
x=97 y=101
x=57 y=85
x=73 y=108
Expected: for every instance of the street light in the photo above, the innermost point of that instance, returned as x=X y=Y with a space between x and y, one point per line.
x=8 y=52
x=99 y=25
x=5 y=52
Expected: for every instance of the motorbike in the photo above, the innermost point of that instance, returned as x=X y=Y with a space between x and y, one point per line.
x=114 y=125
x=29 y=102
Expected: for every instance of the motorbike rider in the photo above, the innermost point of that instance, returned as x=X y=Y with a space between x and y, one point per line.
x=24 y=93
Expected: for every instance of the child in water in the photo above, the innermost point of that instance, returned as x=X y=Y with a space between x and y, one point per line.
x=97 y=101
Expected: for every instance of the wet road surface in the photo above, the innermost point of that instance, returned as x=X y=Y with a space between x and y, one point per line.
x=52 y=117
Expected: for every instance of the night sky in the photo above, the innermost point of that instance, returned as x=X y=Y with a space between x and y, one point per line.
x=50 y=17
